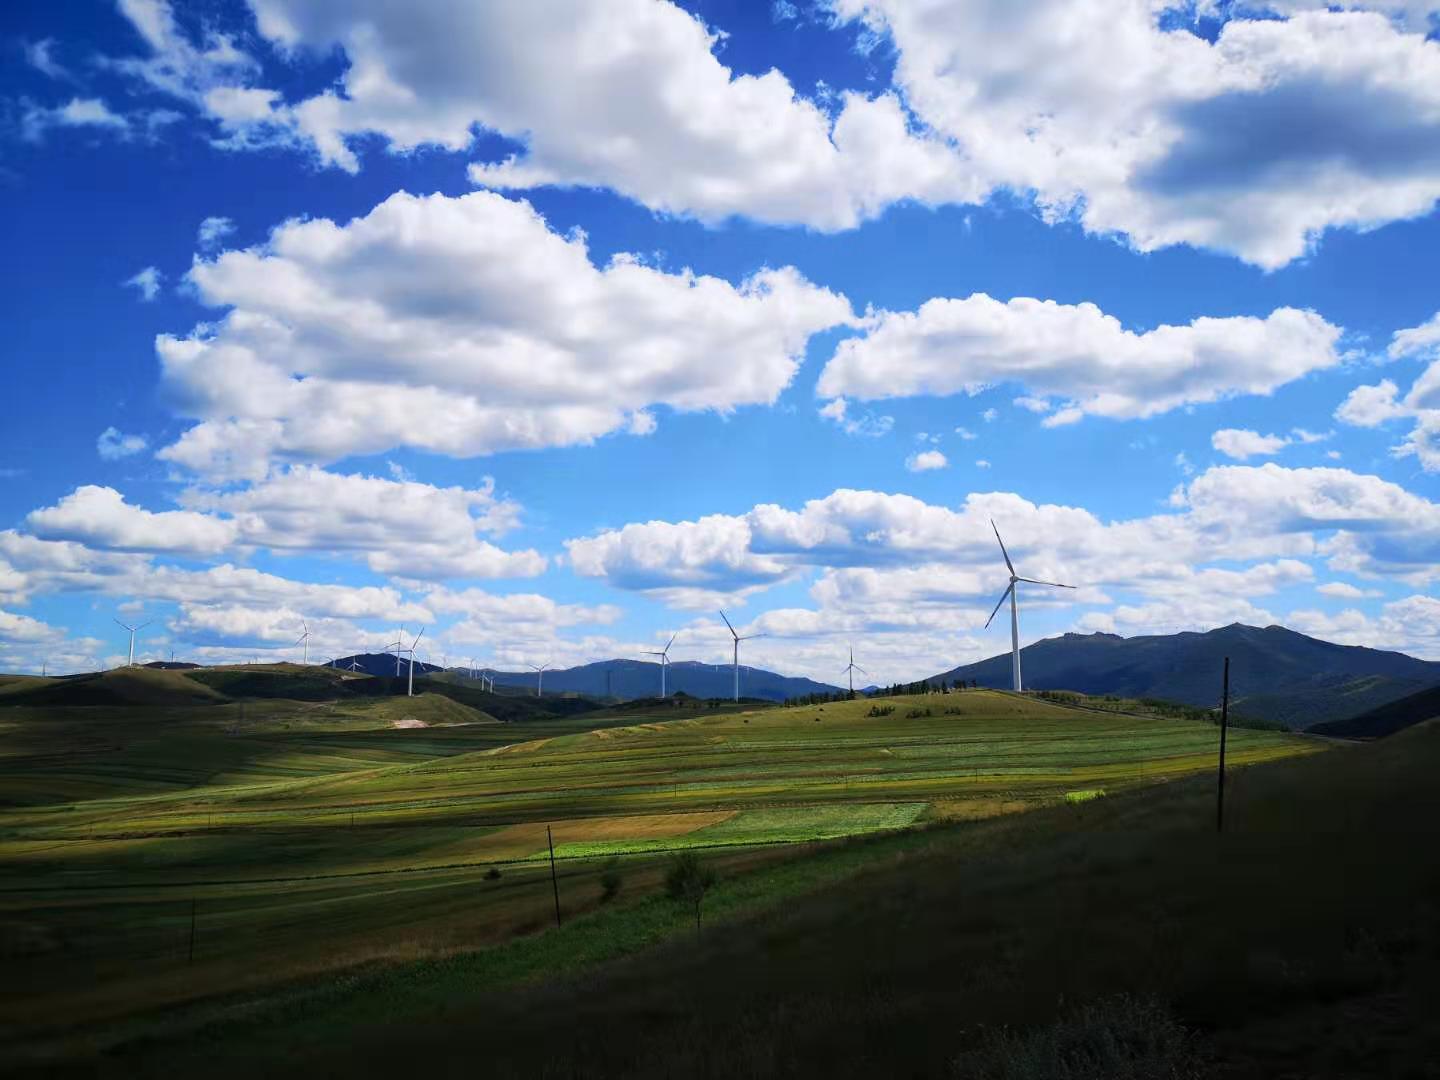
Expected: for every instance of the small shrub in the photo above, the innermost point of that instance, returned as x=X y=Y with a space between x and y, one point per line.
x=911 y=714
x=493 y=874
x=1119 y=1038
x=610 y=881
x=688 y=880
x=880 y=710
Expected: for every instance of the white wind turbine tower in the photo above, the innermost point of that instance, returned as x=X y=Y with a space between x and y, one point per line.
x=304 y=639
x=539 y=677
x=1010 y=591
x=664 y=655
x=853 y=667
x=410 y=689
x=132 y=630
x=738 y=639
x=354 y=664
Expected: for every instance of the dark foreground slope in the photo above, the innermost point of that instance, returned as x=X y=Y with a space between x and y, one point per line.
x=1387 y=719
x=1302 y=942
x=1275 y=673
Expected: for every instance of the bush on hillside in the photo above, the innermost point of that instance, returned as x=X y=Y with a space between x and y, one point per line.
x=1118 y=1038
x=610 y=881
x=688 y=880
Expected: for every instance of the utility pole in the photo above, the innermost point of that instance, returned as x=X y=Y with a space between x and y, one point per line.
x=1224 y=725
x=554 y=882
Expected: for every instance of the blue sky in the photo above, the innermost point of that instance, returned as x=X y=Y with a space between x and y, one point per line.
x=553 y=331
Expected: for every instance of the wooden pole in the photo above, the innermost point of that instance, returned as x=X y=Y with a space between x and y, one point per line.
x=554 y=882
x=1224 y=726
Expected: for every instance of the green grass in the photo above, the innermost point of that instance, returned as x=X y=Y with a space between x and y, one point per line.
x=315 y=836
x=1301 y=942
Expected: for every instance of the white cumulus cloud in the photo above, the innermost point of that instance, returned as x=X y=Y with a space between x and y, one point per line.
x=1076 y=353
x=417 y=326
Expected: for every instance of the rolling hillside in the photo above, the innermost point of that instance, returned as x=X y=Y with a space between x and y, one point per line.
x=1275 y=673
x=626 y=679
x=1387 y=719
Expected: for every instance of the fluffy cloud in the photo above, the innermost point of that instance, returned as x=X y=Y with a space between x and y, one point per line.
x=869 y=425
x=213 y=230
x=113 y=444
x=875 y=550
x=692 y=564
x=415 y=325
x=1115 y=113
x=30 y=565
x=926 y=461
x=1076 y=353
x=1241 y=444
x=1118 y=114
x=1411 y=624
x=1371 y=406
x=146 y=282
x=40 y=56
x=403 y=528
x=91 y=113
x=100 y=517
x=23 y=629
x=1343 y=590
x=645 y=108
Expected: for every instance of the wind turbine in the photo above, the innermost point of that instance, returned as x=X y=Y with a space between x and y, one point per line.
x=1011 y=591
x=664 y=655
x=132 y=630
x=304 y=639
x=354 y=664
x=539 y=677
x=851 y=668
x=738 y=639
x=410 y=689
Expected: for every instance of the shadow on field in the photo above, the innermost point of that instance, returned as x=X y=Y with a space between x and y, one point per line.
x=1302 y=942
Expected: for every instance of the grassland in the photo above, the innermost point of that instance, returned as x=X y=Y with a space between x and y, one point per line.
x=317 y=835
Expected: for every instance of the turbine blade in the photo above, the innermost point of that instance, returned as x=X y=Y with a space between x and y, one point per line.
x=1034 y=581
x=119 y=623
x=671 y=641
x=861 y=670
x=1002 y=547
x=418 y=637
x=727 y=623
x=1003 y=595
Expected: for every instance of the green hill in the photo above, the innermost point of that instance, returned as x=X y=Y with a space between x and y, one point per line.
x=1387 y=719
x=122 y=686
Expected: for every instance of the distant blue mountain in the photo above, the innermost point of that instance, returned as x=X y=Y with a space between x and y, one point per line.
x=629 y=679
x=1275 y=673
x=380 y=664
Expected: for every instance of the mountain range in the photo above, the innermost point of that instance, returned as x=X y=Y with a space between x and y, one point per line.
x=1275 y=673
x=626 y=679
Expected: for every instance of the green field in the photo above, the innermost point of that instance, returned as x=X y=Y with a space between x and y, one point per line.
x=310 y=836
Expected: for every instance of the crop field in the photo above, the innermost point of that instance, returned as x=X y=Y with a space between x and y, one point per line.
x=158 y=855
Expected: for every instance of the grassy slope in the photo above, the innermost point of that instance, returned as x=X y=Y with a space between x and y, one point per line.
x=312 y=846
x=1387 y=719
x=1302 y=942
